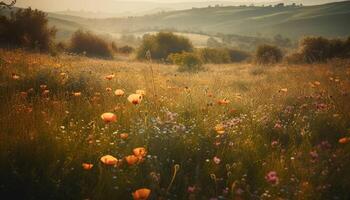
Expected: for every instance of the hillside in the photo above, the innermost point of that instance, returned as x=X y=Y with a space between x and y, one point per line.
x=330 y=20
x=327 y=20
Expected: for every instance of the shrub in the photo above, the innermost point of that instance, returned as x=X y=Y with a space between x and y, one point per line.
x=187 y=61
x=162 y=45
x=268 y=54
x=27 y=28
x=294 y=58
x=315 y=49
x=89 y=44
x=238 y=55
x=126 y=49
x=319 y=49
x=217 y=56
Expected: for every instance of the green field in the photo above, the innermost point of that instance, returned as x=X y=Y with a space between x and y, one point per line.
x=235 y=131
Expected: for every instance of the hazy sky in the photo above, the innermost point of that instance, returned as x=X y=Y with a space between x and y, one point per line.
x=123 y=5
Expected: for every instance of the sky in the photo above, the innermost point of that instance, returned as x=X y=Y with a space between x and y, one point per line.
x=115 y=6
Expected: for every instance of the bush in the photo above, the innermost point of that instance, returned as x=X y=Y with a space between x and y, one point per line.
x=90 y=45
x=238 y=56
x=294 y=58
x=319 y=49
x=217 y=56
x=125 y=49
x=188 y=61
x=268 y=54
x=162 y=45
x=27 y=28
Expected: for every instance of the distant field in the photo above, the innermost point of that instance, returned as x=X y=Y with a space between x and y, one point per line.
x=235 y=131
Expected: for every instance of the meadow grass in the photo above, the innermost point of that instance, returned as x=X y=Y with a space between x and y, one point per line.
x=233 y=131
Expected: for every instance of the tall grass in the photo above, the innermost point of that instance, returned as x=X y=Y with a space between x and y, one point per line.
x=223 y=130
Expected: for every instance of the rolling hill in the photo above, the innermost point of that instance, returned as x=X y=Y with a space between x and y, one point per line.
x=330 y=20
x=327 y=20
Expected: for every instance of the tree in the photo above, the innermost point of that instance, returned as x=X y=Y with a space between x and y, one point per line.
x=27 y=28
x=8 y=5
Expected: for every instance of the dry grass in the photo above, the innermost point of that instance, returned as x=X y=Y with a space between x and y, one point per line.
x=276 y=120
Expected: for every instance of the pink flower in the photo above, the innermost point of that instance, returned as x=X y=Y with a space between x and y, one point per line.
x=314 y=156
x=278 y=125
x=274 y=144
x=216 y=160
x=272 y=178
x=191 y=189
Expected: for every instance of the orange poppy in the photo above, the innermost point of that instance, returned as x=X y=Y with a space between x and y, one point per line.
x=43 y=87
x=108 y=117
x=223 y=101
x=140 y=152
x=135 y=99
x=220 y=128
x=141 y=194
x=132 y=159
x=344 y=140
x=15 y=76
x=119 y=92
x=24 y=94
x=109 y=160
x=87 y=166
x=110 y=77
x=108 y=89
x=46 y=92
x=77 y=94
x=124 y=136
x=284 y=90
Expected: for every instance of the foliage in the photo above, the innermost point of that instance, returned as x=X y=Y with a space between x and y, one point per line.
x=27 y=28
x=319 y=49
x=162 y=45
x=268 y=54
x=238 y=55
x=231 y=132
x=126 y=49
x=187 y=61
x=217 y=56
x=87 y=43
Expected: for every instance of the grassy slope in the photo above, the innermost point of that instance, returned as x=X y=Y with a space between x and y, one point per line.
x=327 y=20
